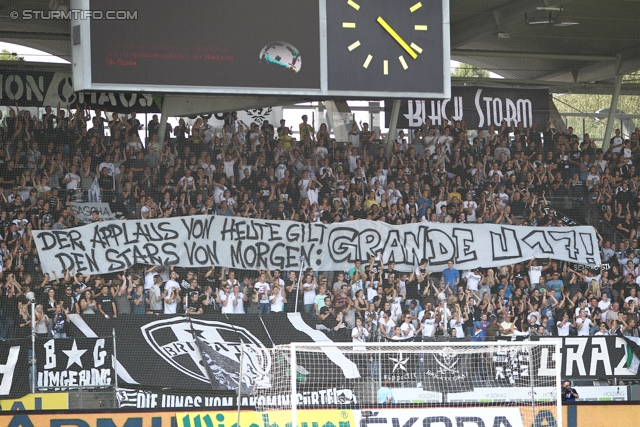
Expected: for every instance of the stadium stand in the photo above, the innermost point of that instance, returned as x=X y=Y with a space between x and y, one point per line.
x=511 y=175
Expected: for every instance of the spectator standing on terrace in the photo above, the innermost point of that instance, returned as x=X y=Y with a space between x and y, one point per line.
x=318 y=301
x=106 y=304
x=122 y=294
x=139 y=300
x=155 y=296
x=72 y=180
x=451 y=276
x=306 y=130
x=309 y=288
x=556 y=285
x=333 y=320
x=194 y=307
x=407 y=328
x=42 y=323
x=263 y=289
x=277 y=299
x=60 y=319
x=582 y=323
x=478 y=333
x=507 y=327
x=228 y=299
x=171 y=294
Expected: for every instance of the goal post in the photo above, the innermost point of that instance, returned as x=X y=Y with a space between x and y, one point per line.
x=468 y=380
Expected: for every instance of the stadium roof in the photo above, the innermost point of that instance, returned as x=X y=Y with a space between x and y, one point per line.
x=491 y=34
x=494 y=35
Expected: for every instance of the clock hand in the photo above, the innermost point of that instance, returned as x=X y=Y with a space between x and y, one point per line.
x=397 y=38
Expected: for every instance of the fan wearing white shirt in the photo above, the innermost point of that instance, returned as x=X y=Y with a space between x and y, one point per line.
x=456 y=323
x=441 y=312
x=631 y=299
x=262 y=287
x=583 y=324
x=604 y=305
x=276 y=299
x=171 y=294
x=359 y=334
x=474 y=278
x=407 y=328
x=564 y=325
x=309 y=293
x=470 y=207
x=227 y=300
x=428 y=322
x=238 y=300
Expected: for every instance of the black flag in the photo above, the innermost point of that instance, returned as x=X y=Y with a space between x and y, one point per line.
x=223 y=373
x=448 y=370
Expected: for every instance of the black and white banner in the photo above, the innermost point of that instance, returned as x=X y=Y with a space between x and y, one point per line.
x=30 y=87
x=566 y=221
x=72 y=363
x=162 y=353
x=14 y=368
x=478 y=107
x=161 y=399
x=594 y=357
x=202 y=241
x=449 y=371
x=83 y=211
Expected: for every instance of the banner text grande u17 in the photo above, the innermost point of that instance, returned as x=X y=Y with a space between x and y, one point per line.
x=201 y=241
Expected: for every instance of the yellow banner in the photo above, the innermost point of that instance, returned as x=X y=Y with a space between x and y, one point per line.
x=37 y=402
x=118 y=419
x=306 y=418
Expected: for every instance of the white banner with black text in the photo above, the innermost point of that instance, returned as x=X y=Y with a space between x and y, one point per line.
x=233 y=242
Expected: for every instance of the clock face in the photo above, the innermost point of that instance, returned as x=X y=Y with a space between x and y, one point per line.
x=385 y=45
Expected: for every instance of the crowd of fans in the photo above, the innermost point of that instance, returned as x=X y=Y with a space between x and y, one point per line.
x=445 y=174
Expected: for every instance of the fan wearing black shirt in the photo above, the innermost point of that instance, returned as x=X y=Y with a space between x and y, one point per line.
x=9 y=175
x=106 y=304
x=389 y=272
x=194 y=308
x=134 y=123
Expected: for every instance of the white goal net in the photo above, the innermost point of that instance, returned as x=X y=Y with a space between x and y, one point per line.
x=470 y=381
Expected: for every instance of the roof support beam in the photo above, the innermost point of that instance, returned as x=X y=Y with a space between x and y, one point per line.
x=26 y=35
x=553 y=86
x=486 y=23
x=600 y=71
x=552 y=56
x=613 y=108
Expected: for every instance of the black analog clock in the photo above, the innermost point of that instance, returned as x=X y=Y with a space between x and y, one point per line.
x=385 y=45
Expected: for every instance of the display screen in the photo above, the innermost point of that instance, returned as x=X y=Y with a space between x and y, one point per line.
x=234 y=43
x=309 y=49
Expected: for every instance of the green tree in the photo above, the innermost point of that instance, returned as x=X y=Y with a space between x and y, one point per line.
x=589 y=104
x=5 y=55
x=631 y=77
x=467 y=70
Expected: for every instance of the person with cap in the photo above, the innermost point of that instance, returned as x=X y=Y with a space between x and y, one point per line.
x=478 y=333
x=492 y=330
